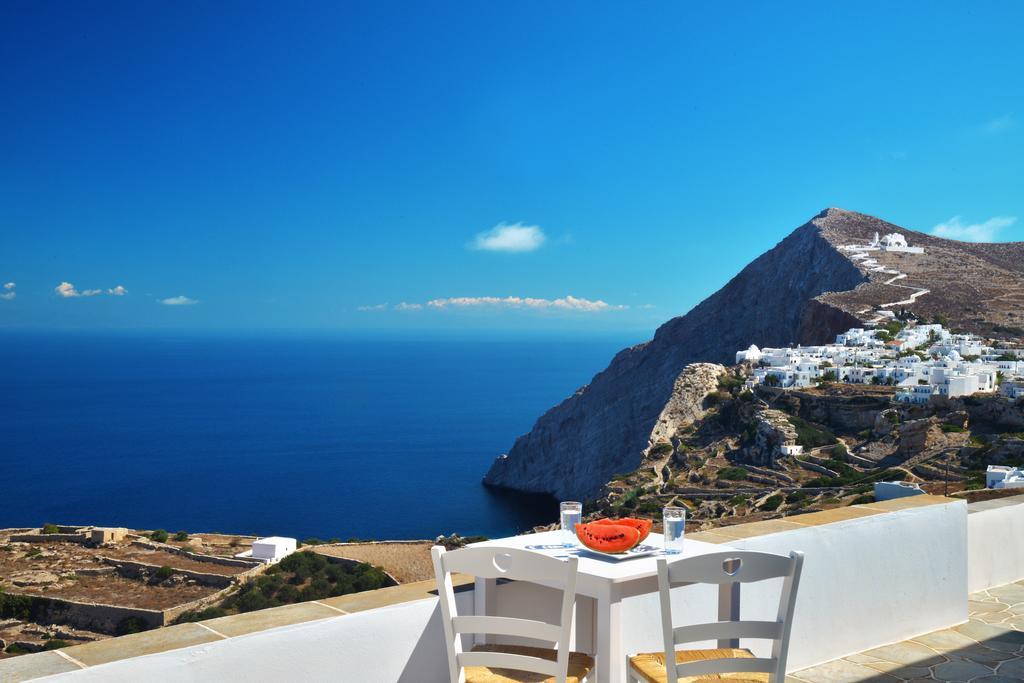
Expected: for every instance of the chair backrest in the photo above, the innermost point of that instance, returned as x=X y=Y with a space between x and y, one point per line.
x=505 y=563
x=729 y=568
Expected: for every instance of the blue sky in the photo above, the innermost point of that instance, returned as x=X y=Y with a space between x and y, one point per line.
x=250 y=165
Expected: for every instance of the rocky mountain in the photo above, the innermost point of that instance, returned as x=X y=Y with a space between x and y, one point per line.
x=806 y=289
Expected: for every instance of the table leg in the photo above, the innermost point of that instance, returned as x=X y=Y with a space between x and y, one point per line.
x=611 y=660
x=484 y=598
x=586 y=608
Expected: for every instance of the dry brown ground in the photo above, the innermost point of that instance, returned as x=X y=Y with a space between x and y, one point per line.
x=406 y=562
x=111 y=589
x=66 y=558
x=161 y=558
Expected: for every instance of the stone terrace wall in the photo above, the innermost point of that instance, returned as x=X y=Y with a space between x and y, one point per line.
x=104 y=618
x=48 y=538
x=140 y=570
x=90 y=615
x=198 y=557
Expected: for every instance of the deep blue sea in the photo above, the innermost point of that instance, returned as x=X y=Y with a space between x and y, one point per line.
x=288 y=435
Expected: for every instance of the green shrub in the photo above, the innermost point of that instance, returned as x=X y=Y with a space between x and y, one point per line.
x=164 y=573
x=15 y=649
x=729 y=382
x=747 y=396
x=839 y=452
x=796 y=497
x=809 y=436
x=33 y=552
x=661 y=448
x=739 y=499
x=717 y=397
x=948 y=428
x=733 y=473
x=772 y=503
x=305 y=576
x=131 y=625
x=160 y=536
x=55 y=644
x=649 y=507
x=201 y=615
x=864 y=498
x=181 y=536
x=51 y=529
x=15 y=607
x=631 y=499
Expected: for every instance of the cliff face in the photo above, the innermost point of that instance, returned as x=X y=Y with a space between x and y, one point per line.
x=605 y=427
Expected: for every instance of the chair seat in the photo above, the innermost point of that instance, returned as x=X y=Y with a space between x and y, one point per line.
x=579 y=666
x=650 y=666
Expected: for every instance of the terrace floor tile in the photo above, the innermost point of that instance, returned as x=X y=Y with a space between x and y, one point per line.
x=139 y=644
x=27 y=667
x=976 y=651
x=842 y=671
x=261 y=620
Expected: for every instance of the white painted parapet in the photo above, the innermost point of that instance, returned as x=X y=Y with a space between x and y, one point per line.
x=995 y=534
x=873 y=575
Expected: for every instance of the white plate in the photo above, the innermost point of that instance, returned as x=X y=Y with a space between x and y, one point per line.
x=642 y=550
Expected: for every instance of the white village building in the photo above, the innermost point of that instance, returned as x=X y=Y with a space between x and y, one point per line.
x=895 y=241
x=1003 y=477
x=270 y=550
x=922 y=360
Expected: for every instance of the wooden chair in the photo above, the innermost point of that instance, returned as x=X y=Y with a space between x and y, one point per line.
x=728 y=663
x=509 y=663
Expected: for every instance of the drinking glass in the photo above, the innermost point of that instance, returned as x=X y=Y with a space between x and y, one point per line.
x=674 y=521
x=572 y=514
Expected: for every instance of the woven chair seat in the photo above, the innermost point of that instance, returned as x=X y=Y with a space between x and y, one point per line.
x=579 y=666
x=651 y=666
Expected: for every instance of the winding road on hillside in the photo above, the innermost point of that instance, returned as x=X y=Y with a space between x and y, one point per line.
x=860 y=258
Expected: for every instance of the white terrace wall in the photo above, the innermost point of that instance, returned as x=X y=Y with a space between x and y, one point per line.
x=995 y=538
x=867 y=582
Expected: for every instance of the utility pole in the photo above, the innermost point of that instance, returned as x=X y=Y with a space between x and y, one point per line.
x=945 y=484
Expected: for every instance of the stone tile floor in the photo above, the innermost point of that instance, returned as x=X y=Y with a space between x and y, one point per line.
x=989 y=648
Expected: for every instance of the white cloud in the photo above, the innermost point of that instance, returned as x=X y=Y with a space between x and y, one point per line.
x=68 y=291
x=568 y=303
x=514 y=238
x=998 y=124
x=9 y=292
x=955 y=229
x=375 y=307
x=404 y=306
x=178 y=301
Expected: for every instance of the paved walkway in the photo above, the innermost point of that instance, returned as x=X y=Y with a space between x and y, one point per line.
x=989 y=648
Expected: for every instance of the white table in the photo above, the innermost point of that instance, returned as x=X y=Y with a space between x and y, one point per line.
x=606 y=582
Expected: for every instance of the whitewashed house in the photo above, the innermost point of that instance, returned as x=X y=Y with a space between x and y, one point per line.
x=917 y=395
x=1012 y=390
x=270 y=550
x=1004 y=477
x=895 y=241
x=751 y=355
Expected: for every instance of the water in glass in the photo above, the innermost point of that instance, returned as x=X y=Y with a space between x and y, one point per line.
x=572 y=514
x=674 y=520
